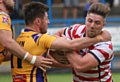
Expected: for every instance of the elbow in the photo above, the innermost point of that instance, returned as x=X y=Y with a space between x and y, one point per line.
x=77 y=68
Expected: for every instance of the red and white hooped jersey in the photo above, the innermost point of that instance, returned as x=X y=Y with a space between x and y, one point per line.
x=102 y=51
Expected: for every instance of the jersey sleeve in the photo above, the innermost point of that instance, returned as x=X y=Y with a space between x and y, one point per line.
x=5 y=22
x=46 y=40
x=102 y=51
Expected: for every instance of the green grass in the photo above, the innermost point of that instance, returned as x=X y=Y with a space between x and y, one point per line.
x=54 y=77
x=59 y=78
x=116 y=77
x=5 y=78
x=68 y=77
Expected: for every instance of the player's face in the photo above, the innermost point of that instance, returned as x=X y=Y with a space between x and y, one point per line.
x=94 y=24
x=9 y=4
x=44 y=24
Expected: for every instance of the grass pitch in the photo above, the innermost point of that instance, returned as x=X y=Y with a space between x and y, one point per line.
x=55 y=77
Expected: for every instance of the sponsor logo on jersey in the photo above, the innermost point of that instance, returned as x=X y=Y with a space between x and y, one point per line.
x=5 y=19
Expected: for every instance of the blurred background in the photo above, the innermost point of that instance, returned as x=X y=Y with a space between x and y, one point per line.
x=61 y=16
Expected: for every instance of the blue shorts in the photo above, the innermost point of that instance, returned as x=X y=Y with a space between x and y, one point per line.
x=69 y=3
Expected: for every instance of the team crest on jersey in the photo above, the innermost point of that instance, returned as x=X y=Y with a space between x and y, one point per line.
x=5 y=19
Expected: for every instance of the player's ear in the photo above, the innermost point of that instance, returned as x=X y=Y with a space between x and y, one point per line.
x=38 y=21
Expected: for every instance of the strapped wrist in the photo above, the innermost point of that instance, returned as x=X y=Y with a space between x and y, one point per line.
x=33 y=60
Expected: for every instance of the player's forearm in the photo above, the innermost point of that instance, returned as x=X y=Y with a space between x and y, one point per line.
x=81 y=43
x=16 y=49
x=12 y=46
x=76 y=61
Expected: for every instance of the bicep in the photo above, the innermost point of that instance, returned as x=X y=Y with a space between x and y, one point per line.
x=5 y=35
x=82 y=64
x=61 y=44
x=89 y=61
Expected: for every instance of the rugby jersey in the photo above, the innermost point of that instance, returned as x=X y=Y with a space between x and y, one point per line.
x=102 y=51
x=36 y=44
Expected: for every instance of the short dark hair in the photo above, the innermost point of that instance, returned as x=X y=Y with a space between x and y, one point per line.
x=99 y=8
x=32 y=10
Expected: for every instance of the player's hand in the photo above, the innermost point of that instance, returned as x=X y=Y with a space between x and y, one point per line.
x=43 y=63
x=106 y=35
x=61 y=35
x=59 y=32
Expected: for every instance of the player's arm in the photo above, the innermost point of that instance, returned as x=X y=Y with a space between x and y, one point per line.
x=13 y=47
x=9 y=44
x=76 y=44
x=91 y=59
x=79 y=43
x=82 y=64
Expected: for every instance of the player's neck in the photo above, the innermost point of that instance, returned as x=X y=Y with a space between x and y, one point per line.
x=30 y=28
x=3 y=9
x=33 y=28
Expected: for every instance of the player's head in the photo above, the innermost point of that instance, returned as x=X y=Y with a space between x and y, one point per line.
x=35 y=15
x=95 y=19
x=7 y=5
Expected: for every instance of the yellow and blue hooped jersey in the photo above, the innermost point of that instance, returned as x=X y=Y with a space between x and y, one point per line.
x=36 y=44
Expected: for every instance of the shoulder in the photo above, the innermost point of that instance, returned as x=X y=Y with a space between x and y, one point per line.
x=75 y=27
x=104 y=43
x=75 y=31
x=105 y=46
x=102 y=51
x=47 y=37
x=2 y=14
x=5 y=18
